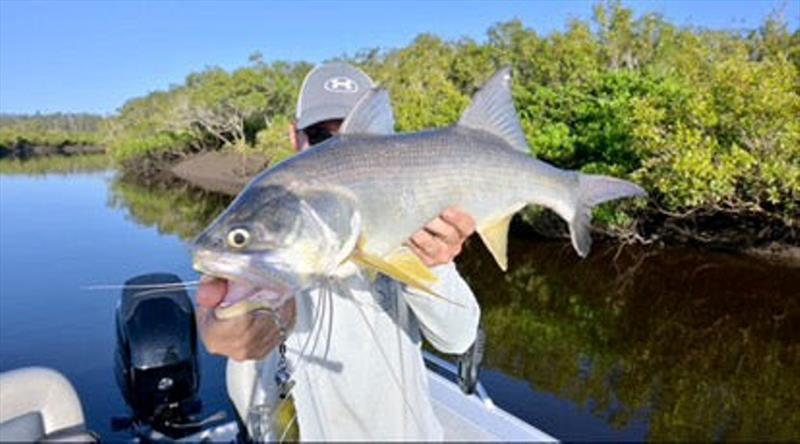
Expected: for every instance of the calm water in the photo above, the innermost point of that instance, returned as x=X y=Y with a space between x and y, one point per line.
x=638 y=344
x=57 y=234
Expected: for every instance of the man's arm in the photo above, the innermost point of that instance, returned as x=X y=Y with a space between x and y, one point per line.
x=451 y=327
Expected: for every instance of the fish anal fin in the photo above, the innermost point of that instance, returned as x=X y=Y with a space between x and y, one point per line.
x=495 y=236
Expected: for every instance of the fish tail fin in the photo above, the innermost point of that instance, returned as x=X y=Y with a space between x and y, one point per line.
x=592 y=191
x=492 y=110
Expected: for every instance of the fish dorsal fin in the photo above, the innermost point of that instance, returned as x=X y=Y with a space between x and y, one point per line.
x=494 y=235
x=371 y=115
x=492 y=110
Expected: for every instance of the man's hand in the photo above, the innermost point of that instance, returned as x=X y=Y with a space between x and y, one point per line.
x=250 y=336
x=441 y=239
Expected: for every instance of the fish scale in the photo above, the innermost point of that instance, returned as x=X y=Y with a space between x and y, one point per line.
x=441 y=168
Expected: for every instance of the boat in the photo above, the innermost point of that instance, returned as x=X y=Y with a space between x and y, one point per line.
x=161 y=389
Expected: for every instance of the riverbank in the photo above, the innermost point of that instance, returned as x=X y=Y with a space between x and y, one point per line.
x=26 y=151
x=219 y=172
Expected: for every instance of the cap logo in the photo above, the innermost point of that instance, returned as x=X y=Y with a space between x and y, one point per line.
x=341 y=84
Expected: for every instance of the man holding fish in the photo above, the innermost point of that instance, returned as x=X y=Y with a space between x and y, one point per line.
x=331 y=226
x=354 y=348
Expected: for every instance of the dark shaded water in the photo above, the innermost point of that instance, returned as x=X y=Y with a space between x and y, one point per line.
x=644 y=344
x=668 y=344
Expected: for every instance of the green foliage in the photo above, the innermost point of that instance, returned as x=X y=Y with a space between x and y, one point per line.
x=149 y=124
x=130 y=149
x=273 y=140
x=213 y=109
x=422 y=98
x=50 y=130
x=702 y=119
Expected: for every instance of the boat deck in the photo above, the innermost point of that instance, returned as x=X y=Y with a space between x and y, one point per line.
x=463 y=418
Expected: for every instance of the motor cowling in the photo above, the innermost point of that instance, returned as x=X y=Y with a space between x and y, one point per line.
x=156 y=361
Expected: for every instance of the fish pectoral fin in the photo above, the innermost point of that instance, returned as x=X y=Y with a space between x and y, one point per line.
x=404 y=266
x=494 y=235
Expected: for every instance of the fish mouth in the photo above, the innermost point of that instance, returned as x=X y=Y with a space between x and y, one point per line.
x=244 y=284
x=272 y=296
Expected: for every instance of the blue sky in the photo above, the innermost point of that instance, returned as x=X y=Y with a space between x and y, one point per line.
x=90 y=56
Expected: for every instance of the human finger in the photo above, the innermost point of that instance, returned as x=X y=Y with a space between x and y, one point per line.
x=460 y=220
x=434 y=250
x=211 y=291
x=444 y=231
x=426 y=243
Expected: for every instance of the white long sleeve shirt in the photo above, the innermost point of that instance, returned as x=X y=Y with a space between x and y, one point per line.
x=355 y=354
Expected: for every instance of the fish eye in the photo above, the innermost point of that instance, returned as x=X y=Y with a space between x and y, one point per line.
x=238 y=238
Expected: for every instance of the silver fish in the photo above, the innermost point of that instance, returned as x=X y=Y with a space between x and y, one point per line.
x=358 y=197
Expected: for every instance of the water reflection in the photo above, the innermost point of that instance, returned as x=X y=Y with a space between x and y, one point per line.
x=173 y=208
x=61 y=165
x=702 y=345
x=57 y=236
x=697 y=345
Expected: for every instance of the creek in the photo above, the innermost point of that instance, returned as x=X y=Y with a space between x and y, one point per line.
x=628 y=344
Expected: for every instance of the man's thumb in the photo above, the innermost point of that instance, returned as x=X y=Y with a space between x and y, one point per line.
x=211 y=292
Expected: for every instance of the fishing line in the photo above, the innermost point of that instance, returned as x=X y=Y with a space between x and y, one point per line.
x=301 y=360
x=301 y=355
x=140 y=286
x=314 y=333
x=327 y=296
x=386 y=361
x=288 y=426
x=156 y=291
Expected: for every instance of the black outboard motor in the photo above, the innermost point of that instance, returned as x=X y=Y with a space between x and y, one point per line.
x=156 y=361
